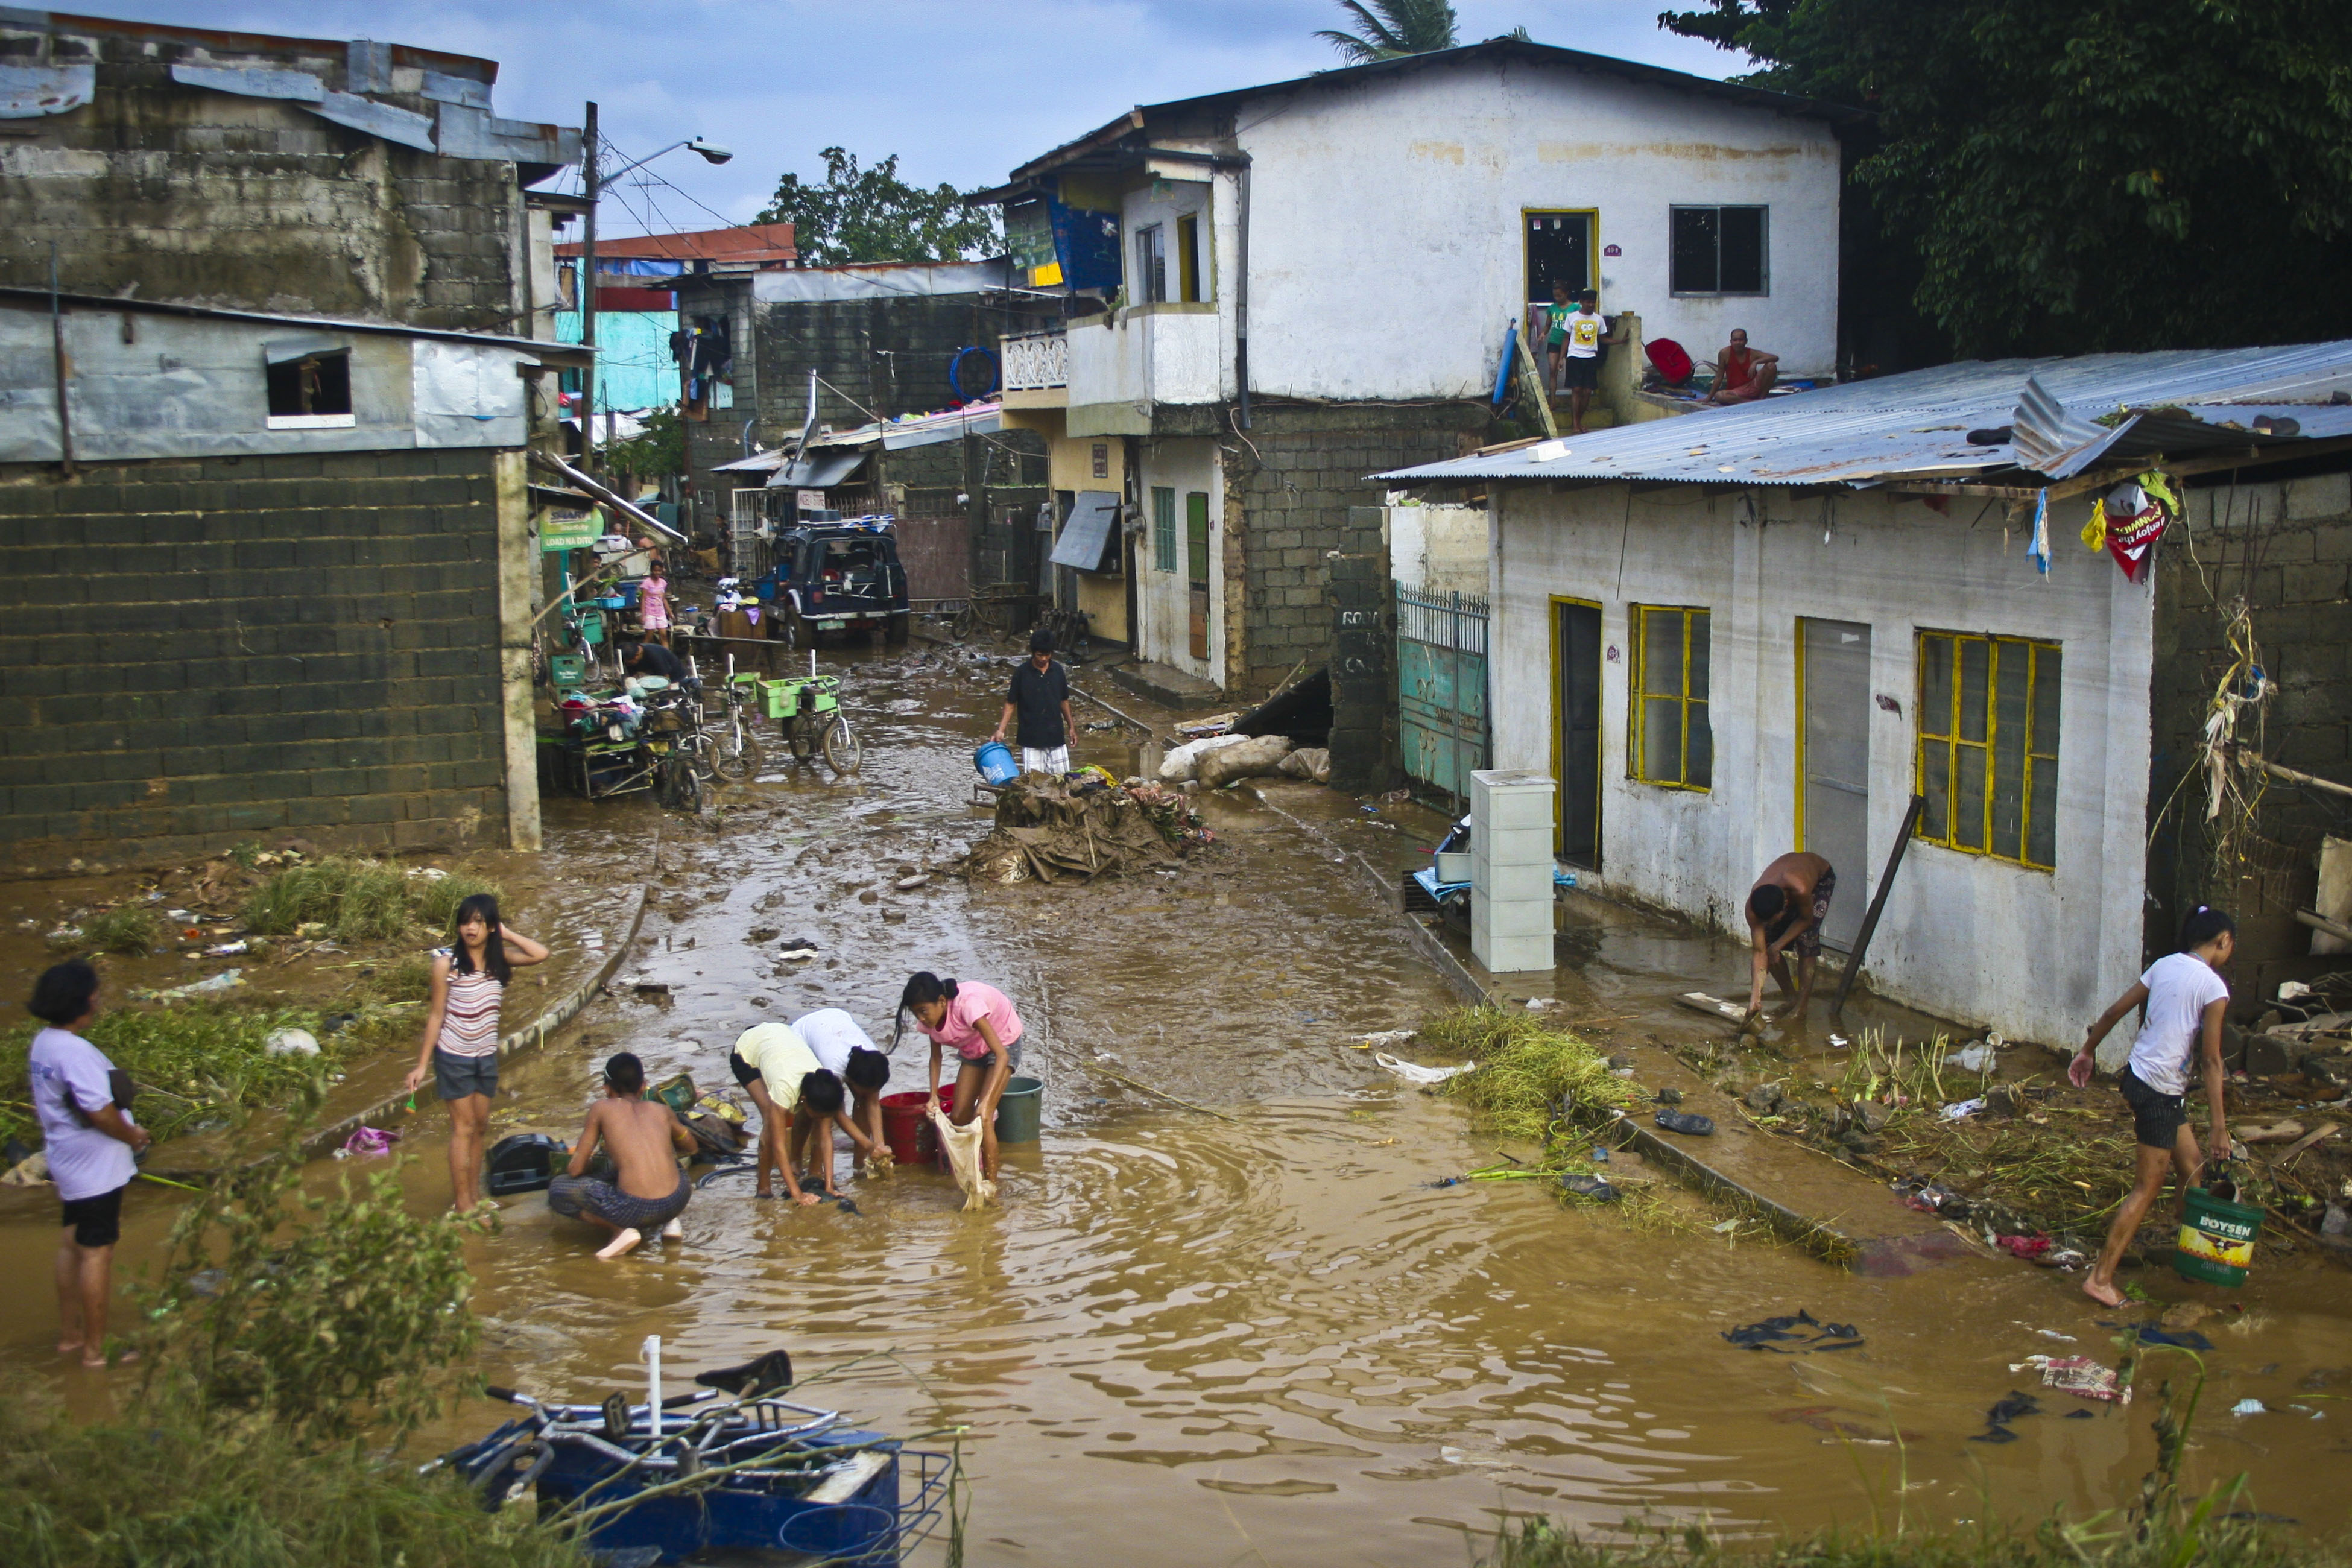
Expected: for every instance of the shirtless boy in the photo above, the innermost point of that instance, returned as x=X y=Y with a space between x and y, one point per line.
x=643 y=1138
x=1785 y=911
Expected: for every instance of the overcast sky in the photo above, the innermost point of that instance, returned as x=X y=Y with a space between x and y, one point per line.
x=961 y=89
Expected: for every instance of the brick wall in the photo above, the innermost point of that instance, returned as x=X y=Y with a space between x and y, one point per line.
x=2285 y=548
x=203 y=652
x=223 y=199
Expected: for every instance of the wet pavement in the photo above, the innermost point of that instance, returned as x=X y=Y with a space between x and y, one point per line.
x=1182 y=1337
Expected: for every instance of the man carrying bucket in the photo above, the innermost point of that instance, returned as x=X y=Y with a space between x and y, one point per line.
x=1040 y=697
x=2186 y=997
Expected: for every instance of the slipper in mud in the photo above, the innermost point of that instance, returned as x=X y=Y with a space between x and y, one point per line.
x=1689 y=1123
x=1591 y=1187
x=798 y=948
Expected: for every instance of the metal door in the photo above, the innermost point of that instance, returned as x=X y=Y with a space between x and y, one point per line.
x=1576 y=699
x=1196 y=567
x=1833 y=763
x=1442 y=687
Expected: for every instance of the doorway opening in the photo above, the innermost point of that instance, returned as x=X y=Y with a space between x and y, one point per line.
x=1576 y=729
x=1559 y=250
x=1834 y=763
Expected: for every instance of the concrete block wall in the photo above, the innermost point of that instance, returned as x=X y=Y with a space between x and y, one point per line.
x=1290 y=491
x=2285 y=548
x=222 y=199
x=199 y=653
x=1363 y=617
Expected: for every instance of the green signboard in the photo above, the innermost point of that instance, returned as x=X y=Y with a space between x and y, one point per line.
x=563 y=530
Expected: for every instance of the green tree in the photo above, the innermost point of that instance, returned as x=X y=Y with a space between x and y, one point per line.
x=656 y=451
x=2074 y=175
x=871 y=215
x=1400 y=27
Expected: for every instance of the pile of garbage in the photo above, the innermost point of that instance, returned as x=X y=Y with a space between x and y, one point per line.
x=1221 y=760
x=1083 y=826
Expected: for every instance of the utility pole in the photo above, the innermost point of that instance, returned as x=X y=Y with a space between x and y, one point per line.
x=586 y=289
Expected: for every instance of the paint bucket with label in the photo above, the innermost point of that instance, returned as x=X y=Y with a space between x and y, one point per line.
x=2217 y=1235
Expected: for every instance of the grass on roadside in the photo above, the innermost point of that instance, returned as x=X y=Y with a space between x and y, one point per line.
x=2104 y=1542
x=1527 y=1070
x=359 y=899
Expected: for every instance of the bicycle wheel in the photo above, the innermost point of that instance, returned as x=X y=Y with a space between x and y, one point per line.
x=842 y=749
x=802 y=736
x=733 y=753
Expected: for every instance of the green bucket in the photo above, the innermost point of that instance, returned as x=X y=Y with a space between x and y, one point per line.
x=2217 y=1239
x=1017 y=1110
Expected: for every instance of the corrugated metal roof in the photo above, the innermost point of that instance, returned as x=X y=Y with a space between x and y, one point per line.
x=1917 y=426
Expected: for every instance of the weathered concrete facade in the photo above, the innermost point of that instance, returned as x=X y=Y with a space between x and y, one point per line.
x=209 y=650
x=232 y=169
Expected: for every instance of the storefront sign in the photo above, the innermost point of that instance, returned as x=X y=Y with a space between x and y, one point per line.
x=564 y=529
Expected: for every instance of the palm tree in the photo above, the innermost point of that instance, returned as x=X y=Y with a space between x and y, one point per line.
x=1400 y=27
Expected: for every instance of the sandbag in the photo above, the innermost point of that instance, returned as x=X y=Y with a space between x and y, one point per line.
x=1254 y=757
x=1183 y=763
x=1307 y=762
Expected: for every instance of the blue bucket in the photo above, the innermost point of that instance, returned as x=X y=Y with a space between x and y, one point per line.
x=996 y=763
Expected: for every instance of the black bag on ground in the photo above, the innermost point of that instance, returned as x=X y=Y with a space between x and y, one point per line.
x=524 y=1162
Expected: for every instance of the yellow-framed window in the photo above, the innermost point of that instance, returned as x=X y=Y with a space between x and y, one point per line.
x=1988 y=745
x=1672 y=744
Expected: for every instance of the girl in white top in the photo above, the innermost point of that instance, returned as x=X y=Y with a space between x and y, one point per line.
x=459 y=1050
x=2186 y=997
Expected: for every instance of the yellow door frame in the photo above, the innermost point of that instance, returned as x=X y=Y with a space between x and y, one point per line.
x=1559 y=732
x=1592 y=248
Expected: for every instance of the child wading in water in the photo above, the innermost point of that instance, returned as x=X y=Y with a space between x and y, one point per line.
x=460 y=1048
x=2186 y=997
x=979 y=1022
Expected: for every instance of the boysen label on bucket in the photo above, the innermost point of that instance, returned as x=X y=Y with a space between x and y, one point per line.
x=2217 y=1239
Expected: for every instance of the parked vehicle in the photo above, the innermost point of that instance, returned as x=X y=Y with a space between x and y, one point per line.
x=838 y=576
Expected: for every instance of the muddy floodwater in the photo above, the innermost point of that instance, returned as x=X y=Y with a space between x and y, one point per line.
x=1186 y=1337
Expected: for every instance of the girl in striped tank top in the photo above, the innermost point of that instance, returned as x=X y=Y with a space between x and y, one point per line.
x=461 y=1048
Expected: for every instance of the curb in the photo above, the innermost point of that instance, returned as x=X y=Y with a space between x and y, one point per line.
x=531 y=1036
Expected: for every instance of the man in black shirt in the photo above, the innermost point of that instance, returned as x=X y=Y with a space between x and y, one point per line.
x=1040 y=695
x=652 y=658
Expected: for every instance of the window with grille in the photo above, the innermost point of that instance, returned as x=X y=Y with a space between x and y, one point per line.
x=1718 y=251
x=1672 y=744
x=1988 y=746
x=1151 y=265
x=1163 y=528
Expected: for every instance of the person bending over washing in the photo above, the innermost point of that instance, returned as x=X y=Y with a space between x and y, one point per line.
x=823 y=1105
x=774 y=1065
x=2186 y=997
x=645 y=1139
x=978 y=1023
x=1785 y=911
x=461 y=1048
x=844 y=1051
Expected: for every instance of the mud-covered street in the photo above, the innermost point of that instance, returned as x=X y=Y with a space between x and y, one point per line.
x=1192 y=1337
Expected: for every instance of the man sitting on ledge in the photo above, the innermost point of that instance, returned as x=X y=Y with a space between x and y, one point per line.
x=1743 y=374
x=643 y=1138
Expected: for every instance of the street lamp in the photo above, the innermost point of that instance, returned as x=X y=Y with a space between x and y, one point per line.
x=592 y=179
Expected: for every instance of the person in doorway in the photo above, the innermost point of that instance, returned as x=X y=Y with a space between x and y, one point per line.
x=1556 y=317
x=459 y=1050
x=1786 y=910
x=978 y=1023
x=778 y=1069
x=2186 y=997
x=653 y=603
x=653 y=658
x=93 y=1148
x=844 y=1051
x=1040 y=697
x=1743 y=374
x=645 y=1139
x=1580 y=363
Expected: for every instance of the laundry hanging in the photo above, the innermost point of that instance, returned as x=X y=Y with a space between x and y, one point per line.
x=2129 y=520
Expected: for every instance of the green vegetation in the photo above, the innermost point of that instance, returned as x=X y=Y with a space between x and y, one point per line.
x=194 y=1061
x=872 y=214
x=2101 y=1542
x=1391 y=29
x=358 y=899
x=132 y=931
x=1530 y=1075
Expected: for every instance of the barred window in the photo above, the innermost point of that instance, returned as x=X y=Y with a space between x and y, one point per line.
x=1163 y=528
x=1672 y=744
x=1988 y=746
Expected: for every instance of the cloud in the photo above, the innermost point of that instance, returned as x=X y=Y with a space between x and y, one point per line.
x=964 y=91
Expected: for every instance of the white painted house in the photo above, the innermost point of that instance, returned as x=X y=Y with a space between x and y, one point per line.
x=1275 y=290
x=1760 y=629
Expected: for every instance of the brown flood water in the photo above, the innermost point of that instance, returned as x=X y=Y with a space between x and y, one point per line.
x=1182 y=1338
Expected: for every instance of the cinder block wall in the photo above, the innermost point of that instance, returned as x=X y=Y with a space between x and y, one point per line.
x=2285 y=548
x=195 y=654
x=1289 y=489
x=223 y=199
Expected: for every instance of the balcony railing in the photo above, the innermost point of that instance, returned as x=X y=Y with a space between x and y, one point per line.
x=1033 y=362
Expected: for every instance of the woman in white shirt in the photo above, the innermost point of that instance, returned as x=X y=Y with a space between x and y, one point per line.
x=2186 y=997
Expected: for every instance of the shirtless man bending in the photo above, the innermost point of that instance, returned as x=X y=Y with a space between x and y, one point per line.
x=1785 y=911
x=645 y=1139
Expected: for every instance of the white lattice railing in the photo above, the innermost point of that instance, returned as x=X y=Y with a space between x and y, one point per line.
x=1035 y=361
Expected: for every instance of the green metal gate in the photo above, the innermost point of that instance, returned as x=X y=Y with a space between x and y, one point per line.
x=1442 y=687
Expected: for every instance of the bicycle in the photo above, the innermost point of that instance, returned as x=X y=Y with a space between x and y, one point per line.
x=811 y=720
x=733 y=743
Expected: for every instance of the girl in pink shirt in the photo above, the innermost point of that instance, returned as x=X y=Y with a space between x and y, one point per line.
x=652 y=606
x=979 y=1022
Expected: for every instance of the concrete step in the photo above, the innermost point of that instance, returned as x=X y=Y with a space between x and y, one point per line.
x=1167 y=685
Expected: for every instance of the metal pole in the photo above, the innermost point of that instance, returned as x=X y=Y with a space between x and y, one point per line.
x=1877 y=904
x=586 y=289
x=58 y=348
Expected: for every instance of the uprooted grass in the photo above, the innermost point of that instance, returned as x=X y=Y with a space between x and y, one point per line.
x=358 y=899
x=2103 y=1542
x=1528 y=1075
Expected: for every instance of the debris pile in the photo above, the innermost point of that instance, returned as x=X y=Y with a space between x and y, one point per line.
x=1080 y=827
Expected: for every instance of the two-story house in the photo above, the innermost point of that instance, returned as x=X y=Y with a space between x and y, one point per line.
x=1272 y=292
